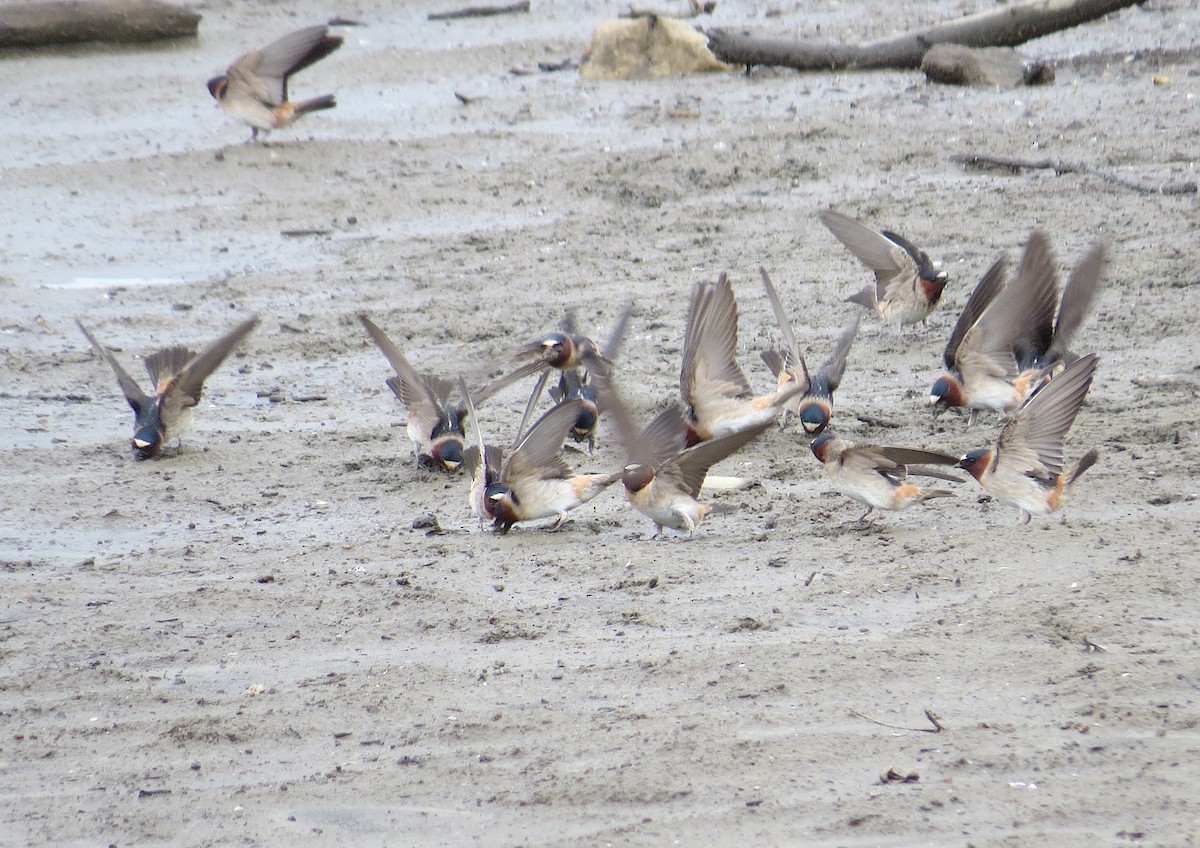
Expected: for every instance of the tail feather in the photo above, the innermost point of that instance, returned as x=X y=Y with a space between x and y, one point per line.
x=316 y=104
x=866 y=297
x=927 y=494
x=1085 y=462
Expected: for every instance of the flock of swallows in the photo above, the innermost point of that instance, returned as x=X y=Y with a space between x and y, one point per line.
x=1008 y=352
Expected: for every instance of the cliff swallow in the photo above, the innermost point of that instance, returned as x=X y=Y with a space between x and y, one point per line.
x=483 y=463
x=563 y=351
x=437 y=428
x=536 y=482
x=1025 y=468
x=178 y=375
x=716 y=393
x=908 y=285
x=663 y=477
x=876 y=476
x=577 y=383
x=254 y=88
x=984 y=368
x=815 y=406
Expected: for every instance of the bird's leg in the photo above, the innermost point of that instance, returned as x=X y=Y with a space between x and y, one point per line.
x=557 y=525
x=974 y=414
x=863 y=517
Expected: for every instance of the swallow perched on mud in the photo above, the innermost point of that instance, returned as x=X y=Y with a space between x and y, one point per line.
x=1025 y=469
x=178 y=375
x=985 y=371
x=663 y=476
x=437 y=428
x=908 y=285
x=563 y=351
x=716 y=393
x=876 y=476
x=254 y=88
x=815 y=407
x=536 y=482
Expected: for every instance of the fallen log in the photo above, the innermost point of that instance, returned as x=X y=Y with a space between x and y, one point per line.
x=52 y=22
x=1004 y=27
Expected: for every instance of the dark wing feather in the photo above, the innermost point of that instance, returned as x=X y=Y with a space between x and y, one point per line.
x=613 y=346
x=989 y=285
x=491 y=455
x=1032 y=441
x=137 y=399
x=835 y=366
x=190 y=382
x=1077 y=300
x=915 y=456
x=423 y=396
x=710 y=346
x=691 y=466
x=291 y=54
x=165 y=364
x=539 y=453
x=792 y=348
x=1038 y=278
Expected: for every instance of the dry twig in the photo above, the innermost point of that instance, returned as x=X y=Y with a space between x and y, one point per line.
x=933 y=717
x=986 y=161
x=480 y=11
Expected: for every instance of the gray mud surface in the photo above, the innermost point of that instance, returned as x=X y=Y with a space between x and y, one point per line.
x=247 y=643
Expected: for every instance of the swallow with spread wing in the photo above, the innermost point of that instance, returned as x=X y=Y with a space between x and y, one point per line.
x=437 y=427
x=254 y=89
x=178 y=375
x=662 y=476
x=716 y=393
x=814 y=407
x=877 y=476
x=984 y=371
x=536 y=482
x=908 y=285
x=483 y=463
x=577 y=383
x=563 y=351
x=1025 y=468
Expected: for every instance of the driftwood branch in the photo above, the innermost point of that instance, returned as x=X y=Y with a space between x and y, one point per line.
x=50 y=22
x=1007 y=26
x=480 y=11
x=985 y=161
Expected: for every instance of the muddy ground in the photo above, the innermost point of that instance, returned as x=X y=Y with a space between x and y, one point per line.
x=248 y=643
